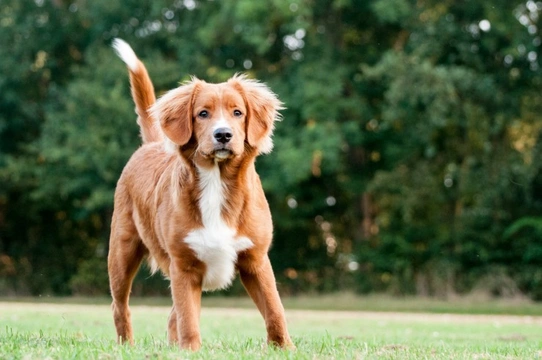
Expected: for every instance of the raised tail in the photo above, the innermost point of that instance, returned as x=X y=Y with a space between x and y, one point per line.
x=142 y=92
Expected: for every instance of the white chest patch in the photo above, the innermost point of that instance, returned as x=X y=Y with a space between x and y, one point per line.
x=216 y=244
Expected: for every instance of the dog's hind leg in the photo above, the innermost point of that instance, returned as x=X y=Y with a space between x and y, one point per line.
x=126 y=251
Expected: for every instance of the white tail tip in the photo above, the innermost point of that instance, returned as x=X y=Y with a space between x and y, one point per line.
x=125 y=52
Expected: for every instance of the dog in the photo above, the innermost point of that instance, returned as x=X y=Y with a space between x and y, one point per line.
x=190 y=201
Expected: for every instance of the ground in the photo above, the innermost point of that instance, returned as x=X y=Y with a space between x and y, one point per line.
x=45 y=330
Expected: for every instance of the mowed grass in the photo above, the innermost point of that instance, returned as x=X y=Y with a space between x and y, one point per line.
x=84 y=331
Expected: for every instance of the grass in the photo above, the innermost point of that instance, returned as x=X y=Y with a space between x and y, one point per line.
x=37 y=330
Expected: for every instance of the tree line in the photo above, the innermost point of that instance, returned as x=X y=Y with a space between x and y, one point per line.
x=408 y=160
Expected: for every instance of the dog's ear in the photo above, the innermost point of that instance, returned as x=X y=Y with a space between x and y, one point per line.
x=263 y=110
x=174 y=111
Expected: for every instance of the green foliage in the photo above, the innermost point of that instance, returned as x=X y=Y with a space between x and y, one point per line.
x=392 y=11
x=525 y=235
x=90 y=278
x=408 y=159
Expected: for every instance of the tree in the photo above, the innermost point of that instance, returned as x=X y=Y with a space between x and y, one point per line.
x=408 y=147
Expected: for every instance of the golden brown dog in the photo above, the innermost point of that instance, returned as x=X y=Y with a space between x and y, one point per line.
x=190 y=201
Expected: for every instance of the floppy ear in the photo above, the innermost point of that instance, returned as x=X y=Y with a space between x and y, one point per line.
x=174 y=111
x=263 y=110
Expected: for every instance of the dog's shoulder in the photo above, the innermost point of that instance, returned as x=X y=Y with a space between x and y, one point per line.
x=150 y=156
x=150 y=166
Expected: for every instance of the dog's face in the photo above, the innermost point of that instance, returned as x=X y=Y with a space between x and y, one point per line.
x=217 y=121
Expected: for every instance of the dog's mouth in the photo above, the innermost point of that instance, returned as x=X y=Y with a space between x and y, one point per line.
x=222 y=154
x=219 y=152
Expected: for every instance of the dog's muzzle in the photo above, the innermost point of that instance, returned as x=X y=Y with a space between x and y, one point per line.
x=222 y=137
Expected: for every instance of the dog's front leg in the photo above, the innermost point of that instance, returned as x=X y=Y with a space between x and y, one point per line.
x=259 y=281
x=186 y=293
x=172 y=332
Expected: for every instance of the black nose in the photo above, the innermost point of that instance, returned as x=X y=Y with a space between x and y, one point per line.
x=223 y=135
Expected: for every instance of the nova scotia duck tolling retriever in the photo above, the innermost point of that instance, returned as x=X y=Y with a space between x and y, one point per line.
x=190 y=202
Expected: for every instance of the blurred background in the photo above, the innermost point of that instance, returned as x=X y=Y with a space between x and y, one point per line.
x=408 y=161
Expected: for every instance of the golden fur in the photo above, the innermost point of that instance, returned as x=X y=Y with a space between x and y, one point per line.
x=191 y=201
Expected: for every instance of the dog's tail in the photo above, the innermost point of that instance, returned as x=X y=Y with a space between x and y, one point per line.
x=142 y=92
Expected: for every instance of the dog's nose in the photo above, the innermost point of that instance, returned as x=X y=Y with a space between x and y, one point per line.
x=223 y=135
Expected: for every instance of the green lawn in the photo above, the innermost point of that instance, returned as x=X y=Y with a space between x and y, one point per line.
x=36 y=330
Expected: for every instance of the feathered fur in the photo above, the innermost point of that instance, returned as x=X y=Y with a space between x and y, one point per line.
x=190 y=200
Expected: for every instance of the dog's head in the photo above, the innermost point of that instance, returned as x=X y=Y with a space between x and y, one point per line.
x=218 y=121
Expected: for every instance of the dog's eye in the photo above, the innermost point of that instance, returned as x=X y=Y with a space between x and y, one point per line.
x=237 y=113
x=204 y=114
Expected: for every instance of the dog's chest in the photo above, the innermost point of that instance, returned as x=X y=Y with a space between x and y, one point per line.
x=215 y=244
